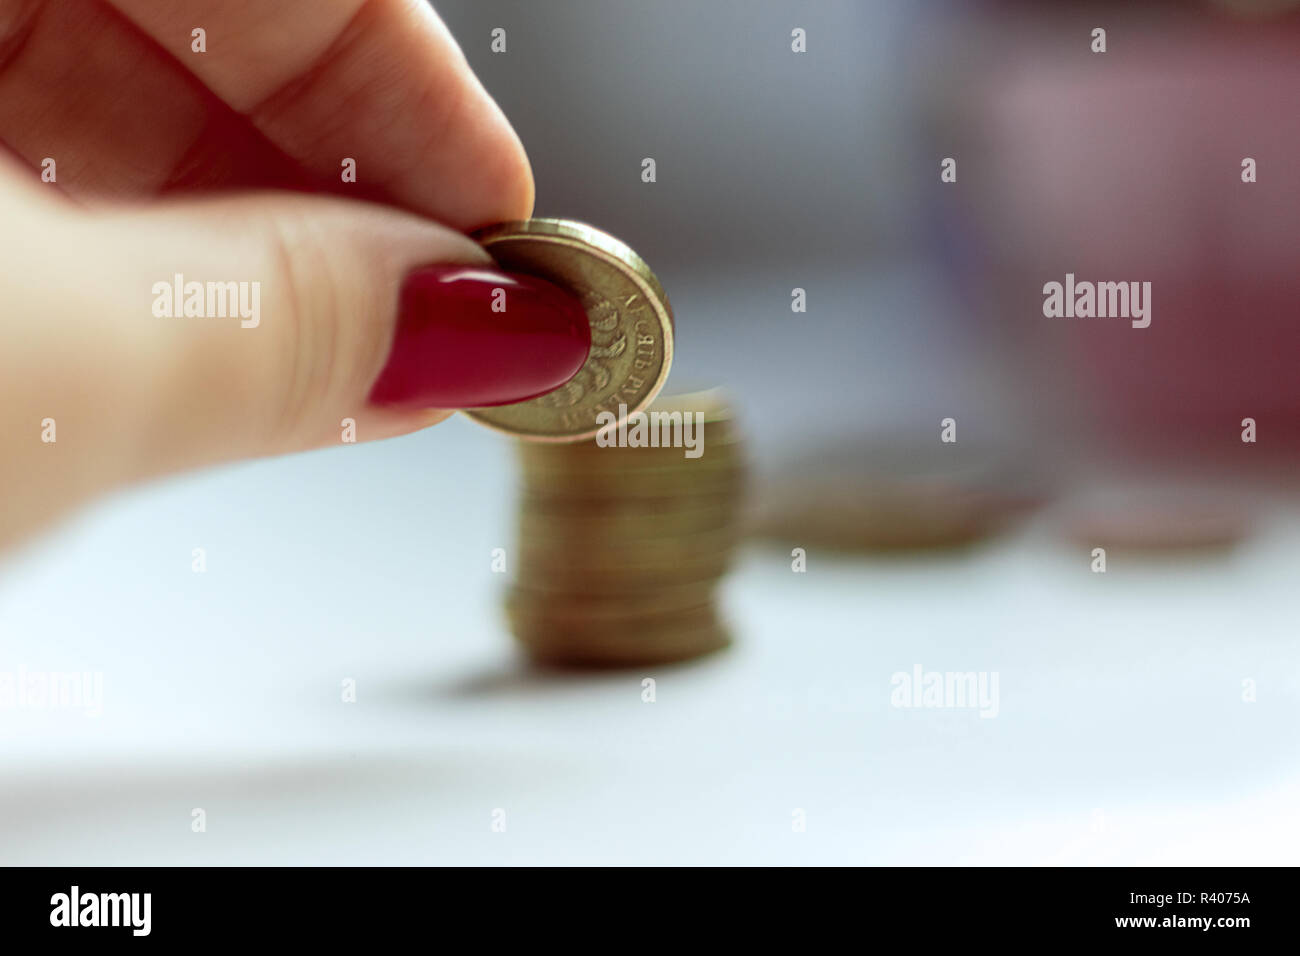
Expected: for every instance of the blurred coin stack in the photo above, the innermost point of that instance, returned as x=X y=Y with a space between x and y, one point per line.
x=893 y=492
x=620 y=548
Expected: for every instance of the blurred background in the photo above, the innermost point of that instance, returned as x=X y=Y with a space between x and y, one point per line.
x=1147 y=714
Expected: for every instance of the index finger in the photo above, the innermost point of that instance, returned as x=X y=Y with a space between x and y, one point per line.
x=379 y=81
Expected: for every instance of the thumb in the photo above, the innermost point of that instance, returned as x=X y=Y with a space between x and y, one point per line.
x=299 y=322
x=183 y=334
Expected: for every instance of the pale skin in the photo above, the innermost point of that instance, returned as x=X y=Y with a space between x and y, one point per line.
x=159 y=154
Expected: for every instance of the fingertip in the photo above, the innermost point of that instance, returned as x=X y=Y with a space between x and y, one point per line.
x=520 y=189
x=490 y=168
x=497 y=182
x=374 y=423
x=509 y=190
x=524 y=194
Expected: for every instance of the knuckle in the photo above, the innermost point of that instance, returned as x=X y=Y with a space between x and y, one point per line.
x=306 y=320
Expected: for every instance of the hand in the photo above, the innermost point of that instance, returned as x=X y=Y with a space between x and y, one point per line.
x=154 y=149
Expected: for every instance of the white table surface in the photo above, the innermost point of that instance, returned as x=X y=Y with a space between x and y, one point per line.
x=1121 y=737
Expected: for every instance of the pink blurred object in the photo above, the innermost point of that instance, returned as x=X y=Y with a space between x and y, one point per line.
x=1127 y=165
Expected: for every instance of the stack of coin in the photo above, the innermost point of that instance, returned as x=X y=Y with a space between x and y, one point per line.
x=621 y=548
x=892 y=492
x=1169 y=516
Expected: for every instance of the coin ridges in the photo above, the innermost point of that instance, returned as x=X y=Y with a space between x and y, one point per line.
x=620 y=549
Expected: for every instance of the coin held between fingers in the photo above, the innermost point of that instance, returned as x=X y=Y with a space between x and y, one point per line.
x=630 y=322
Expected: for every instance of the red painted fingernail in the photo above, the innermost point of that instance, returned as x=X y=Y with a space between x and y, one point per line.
x=469 y=336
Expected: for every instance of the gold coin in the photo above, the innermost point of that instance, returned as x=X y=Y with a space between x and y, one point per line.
x=611 y=630
x=618 y=501
x=646 y=650
x=619 y=550
x=603 y=557
x=540 y=605
x=719 y=433
x=541 y=518
x=1162 y=518
x=673 y=636
x=631 y=327
x=632 y=462
x=630 y=524
x=623 y=577
x=634 y=486
x=888 y=492
x=662 y=435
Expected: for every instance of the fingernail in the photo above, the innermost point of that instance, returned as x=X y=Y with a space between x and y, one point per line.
x=469 y=337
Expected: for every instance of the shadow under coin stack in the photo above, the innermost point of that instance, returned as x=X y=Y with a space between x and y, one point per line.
x=620 y=548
